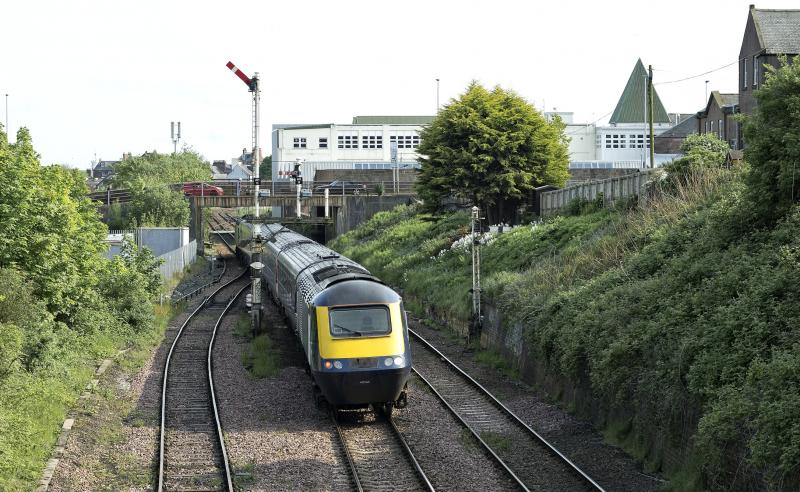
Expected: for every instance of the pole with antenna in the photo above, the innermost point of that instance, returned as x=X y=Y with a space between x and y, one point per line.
x=437 y=96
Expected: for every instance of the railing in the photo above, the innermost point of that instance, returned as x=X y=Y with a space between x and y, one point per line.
x=176 y=260
x=606 y=165
x=611 y=189
x=283 y=187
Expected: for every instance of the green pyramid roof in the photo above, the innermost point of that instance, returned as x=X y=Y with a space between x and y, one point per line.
x=630 y=108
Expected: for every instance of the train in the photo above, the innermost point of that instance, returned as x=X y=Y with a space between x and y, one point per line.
x=352 y=327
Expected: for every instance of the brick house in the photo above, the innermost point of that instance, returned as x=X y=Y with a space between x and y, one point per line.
x=718 y=118
x=768 y=34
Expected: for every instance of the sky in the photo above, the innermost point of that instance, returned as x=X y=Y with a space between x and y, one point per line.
x=94 y=79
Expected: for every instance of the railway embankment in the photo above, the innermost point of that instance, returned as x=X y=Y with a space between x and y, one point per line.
x=671 y=328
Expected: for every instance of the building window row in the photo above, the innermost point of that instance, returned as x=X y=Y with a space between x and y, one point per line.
x=323 y=142
x=371 y=140
x=405 y=139
x=374 y=140
x=347 y=140
x=626 y=141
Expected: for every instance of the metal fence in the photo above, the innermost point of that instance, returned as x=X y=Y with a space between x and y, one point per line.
x=611 y=189
x=175 y=261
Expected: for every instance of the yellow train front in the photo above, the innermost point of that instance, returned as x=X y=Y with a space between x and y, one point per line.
x=352 y=327
x=360 y=344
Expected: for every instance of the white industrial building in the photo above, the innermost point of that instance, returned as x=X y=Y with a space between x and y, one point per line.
x=625 y=140
x=369 y=142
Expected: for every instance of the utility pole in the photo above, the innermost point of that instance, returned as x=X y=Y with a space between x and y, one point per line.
x=650 y=114
x=477 y=318
x=7 y=128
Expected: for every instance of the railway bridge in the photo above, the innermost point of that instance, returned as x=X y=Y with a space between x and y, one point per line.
x=346 y=211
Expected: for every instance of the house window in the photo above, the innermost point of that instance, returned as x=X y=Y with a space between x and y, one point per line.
x=755 y=72
x=712 y=126
x=719 y=128
x=323 y=142
x=744 y=79
x=347 y=140
x=706 y=126
x=299 y=143
x=372 y=140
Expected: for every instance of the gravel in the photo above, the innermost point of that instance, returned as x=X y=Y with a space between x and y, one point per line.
x=114 y=440
x=276 y=438
x=451 y=458
x=608 y=465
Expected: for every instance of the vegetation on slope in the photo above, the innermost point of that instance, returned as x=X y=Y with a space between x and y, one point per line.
x=62 y=305
x=681 y=317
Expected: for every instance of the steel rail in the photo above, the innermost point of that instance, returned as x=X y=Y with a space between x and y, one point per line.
x=483 y=443
x=166 y=372
x=214 y=394
x=347 y=454
x=553 y=450
x=403 y=444
x=409 y=453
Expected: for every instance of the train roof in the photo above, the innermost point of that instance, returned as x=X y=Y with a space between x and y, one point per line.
x=355 y=291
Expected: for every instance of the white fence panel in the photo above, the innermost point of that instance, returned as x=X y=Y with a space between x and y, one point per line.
x=612 y=189
x=175 y=261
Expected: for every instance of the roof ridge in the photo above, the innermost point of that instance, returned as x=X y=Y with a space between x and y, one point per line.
x=630 y=107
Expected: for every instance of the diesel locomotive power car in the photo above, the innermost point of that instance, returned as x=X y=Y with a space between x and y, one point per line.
x=352 y=327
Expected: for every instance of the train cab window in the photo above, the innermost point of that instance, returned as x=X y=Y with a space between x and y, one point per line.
x=360 y=322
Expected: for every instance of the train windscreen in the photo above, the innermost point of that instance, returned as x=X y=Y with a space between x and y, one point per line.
x=360 y=321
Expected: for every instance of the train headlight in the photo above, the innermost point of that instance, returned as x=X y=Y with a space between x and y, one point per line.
x=328 y=364
x=388 y=361
x=337 y=364
x=398 y=361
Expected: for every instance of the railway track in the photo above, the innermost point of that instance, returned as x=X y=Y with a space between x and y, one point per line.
x=531 y=461
x=222 y=223
x=192 y=453
x=378 y=455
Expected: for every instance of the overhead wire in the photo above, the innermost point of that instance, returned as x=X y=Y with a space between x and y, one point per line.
x=698 y=75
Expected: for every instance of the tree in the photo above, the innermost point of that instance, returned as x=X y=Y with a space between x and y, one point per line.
x=154 y=169
x=156 y=207
x=492 y=148
x=699 y=152
x=265 y=168
x=772 y=142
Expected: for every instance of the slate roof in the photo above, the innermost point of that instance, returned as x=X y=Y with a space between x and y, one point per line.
x=682 y=129
x=630 y=107
x=778 y=30
x=392 y=120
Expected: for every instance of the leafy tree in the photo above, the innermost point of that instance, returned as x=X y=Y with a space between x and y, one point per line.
x=130 y=278
x=772 y=138
x=154 y=169
x=492 y=148
x=48 y=228
x=265 y=168
x=156 y=207
x=699 y=152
